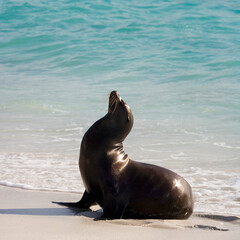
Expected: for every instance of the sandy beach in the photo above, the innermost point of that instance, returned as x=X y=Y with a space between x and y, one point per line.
x=26 y=214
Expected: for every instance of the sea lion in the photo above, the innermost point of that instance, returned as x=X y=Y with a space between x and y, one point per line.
x=122 y=187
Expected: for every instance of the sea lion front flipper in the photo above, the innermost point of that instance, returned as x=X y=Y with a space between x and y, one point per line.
x=86 y=202
x=113 y=207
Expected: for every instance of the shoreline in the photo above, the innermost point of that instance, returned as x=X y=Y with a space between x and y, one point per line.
x=216 y=215
x=30 y=214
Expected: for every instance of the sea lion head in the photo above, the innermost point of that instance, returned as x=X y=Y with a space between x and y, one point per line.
x=120 y=116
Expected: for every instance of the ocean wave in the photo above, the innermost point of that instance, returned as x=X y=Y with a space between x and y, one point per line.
x=224 y=145
x=213 y=190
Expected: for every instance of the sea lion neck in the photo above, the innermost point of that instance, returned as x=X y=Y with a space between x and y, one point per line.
x=119 y=148
x=104 y=133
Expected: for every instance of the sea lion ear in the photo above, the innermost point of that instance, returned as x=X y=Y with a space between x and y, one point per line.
x=128 y=118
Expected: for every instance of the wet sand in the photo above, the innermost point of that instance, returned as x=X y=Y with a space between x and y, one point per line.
x=26 y=214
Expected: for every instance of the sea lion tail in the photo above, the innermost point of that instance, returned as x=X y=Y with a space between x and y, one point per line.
x=70 y=204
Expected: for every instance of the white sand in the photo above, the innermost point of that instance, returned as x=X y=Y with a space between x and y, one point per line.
x=28 y=214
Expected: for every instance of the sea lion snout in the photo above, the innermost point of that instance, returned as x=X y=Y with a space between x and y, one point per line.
x=114 y=98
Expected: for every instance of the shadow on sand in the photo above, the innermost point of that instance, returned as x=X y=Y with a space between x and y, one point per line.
x=52 y=212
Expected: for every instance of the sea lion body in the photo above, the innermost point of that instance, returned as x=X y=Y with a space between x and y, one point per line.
x=121 y=186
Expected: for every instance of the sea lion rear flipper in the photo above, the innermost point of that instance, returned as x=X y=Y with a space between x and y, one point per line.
x=86 y=202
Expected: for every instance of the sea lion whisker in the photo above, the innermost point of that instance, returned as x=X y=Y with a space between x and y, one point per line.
x=113 y=100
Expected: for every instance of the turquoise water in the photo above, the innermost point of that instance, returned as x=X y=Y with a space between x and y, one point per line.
x=177 y=64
